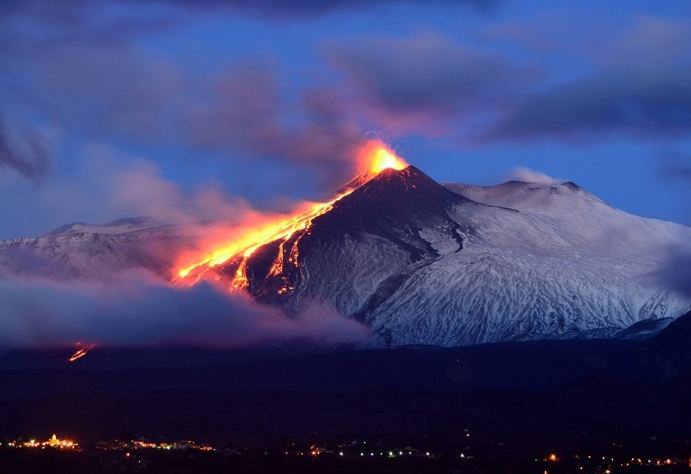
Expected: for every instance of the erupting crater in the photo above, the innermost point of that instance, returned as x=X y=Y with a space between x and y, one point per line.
x=287 y=230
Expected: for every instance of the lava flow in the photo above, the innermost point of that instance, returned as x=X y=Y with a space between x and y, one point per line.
x=373 y=158
x=82 y=350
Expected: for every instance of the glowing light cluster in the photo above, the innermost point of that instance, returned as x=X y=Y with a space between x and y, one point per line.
x=52 y=442
x=169 y=446
x=373 y=158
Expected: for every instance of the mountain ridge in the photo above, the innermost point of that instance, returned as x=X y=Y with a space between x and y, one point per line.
x=393 y=263
x=422 y=263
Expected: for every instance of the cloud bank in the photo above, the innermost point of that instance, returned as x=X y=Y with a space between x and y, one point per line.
x=413 y=80
x=278 y=9
x=640 y=86
x=138 y=311
x=30 y=157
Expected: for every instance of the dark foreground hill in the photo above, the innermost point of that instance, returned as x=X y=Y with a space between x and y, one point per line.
x=535 y=394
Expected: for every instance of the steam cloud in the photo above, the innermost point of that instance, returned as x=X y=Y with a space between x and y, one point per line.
x=138 y=311
x=531 y=176
x=30 y=158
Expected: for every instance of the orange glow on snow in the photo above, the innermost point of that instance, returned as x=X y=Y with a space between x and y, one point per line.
x=243 y=240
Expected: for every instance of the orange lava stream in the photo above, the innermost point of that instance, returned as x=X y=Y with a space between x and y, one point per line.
x=82 y=350
x=374 y=157
x=253 y=238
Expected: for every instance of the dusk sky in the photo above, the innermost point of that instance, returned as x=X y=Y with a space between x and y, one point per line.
x=192 y=108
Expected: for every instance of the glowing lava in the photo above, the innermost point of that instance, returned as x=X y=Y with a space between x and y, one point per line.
x=250 y=239
x=373 y=158
x=378 y=157
x=82 y=350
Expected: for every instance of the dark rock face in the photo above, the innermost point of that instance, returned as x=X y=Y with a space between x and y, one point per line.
x=395 y=205
x=675 y=339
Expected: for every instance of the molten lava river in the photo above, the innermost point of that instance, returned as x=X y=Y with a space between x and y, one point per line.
x=373 y=158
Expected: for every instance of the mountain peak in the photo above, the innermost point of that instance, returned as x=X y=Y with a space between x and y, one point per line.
x=571 y=185
x=397 y=192
x=565 y=185
x=393 y=206
x=522 y=195
x=133 y=221
x=117 y=226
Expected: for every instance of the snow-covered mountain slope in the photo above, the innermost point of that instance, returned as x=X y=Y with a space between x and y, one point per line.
x=118 y=226
x=91 y=251
x=579 y=216
x=420 y=264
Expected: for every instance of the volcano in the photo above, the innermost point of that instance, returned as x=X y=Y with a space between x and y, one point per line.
x=415 y=261
x=393 y=207
x=423 y=263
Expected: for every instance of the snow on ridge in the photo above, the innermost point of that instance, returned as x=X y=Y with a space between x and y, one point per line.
x=581 y=217
x=118 y=226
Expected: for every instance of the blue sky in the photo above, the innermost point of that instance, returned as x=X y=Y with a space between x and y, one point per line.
x=113 y=108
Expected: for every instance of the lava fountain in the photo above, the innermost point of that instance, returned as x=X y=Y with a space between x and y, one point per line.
x=373 y=157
